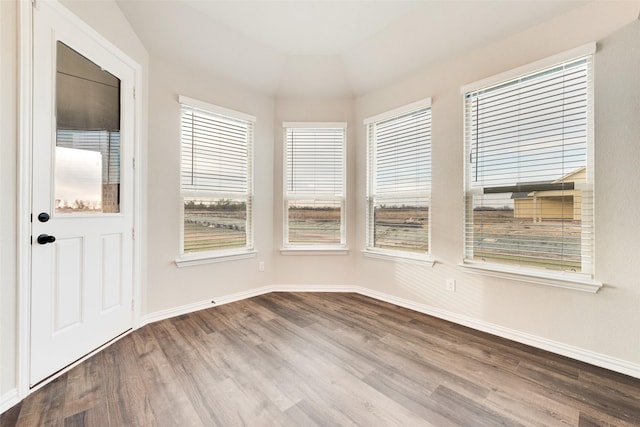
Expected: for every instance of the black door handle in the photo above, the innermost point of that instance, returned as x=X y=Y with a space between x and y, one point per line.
x=43 y=217
x=43 y=239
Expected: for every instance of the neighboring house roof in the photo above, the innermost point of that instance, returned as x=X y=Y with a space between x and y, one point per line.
x=573 y=176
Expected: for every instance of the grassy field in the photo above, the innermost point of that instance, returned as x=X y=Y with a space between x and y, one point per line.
x=404 y=229
x=498 y=236
x=207 y=229
x=314 y=226
x=552 y=244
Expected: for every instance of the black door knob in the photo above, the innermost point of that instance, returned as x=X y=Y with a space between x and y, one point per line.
x=43 y=239
x=43 y=217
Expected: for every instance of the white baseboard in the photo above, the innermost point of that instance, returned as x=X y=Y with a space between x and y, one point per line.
x=8 y=400
x=201 y=305
x=577 y=353
x=316 y=288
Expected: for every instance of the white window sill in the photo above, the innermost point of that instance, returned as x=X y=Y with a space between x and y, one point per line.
x=314 y=250
x=211 y=257
x=397 y=256
x=559 y=279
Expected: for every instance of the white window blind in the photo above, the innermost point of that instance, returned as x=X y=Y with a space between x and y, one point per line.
x=529 y=170
x=314 y=184
x=216 y=179
x=399 y=184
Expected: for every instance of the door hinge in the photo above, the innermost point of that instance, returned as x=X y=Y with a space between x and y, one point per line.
x=134 y=92
x=134 y=162
x=133 y=233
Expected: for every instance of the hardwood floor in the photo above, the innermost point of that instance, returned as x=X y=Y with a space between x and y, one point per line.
x=305 y=359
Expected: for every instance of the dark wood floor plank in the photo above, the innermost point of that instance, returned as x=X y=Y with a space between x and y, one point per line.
x=45 y=406
x=84 y=386
x=326 y=359
x=532 y=407
x=411 y=394
x=464 y=410
x=10 y=416
x=125 y=389
x=586 y=398
x=162 y=385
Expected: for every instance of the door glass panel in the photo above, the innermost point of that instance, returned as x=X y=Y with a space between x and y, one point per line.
x=87 y=152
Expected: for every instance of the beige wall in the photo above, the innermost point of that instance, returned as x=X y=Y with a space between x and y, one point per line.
x=605 y=322
x=108 y=20
x=168 y=285
x=8 y=190
x=304 y=269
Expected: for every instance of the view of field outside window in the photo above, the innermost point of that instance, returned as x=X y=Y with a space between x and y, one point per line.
x=314 y=222
x=399 y=182
x=528 y=198
x=216 y=181
x=401 y=225
x=214 y=224
x=314 y=192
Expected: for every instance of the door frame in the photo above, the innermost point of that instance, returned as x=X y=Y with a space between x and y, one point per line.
x=25 y=144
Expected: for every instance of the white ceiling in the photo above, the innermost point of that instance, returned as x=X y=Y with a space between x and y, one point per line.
x=301 y=48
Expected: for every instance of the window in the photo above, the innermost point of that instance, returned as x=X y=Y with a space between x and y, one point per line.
x=399 y=180
x=314 y=179
x=216 y=178
x=529 y=170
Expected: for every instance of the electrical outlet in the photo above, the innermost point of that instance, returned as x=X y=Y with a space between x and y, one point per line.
x=261 y=266
x=451 y=285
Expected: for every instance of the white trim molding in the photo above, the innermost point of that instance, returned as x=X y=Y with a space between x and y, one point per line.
x=567 y=55
x=202 y=305
x=25 y=119
x=417 y=105
x=559 y=279
x=311 y=250
x=188 y=260
x=573 y=352
x=402 y=257
x=8 y=400
x=25 y=79
x=216 y=109
x=577 y=353
x=315 y=125
x=597 y=359
x=226 y=299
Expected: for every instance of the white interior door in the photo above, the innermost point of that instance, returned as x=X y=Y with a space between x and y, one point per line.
x=82 y=207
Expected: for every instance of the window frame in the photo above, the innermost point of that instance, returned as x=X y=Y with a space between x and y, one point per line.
x=289 y=248
x=220 y=254
x=582 y=281
x=371 y=250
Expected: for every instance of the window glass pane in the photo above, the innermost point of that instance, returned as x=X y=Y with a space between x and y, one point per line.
x=215 y=155
x=401 y=224
x=529 y=199
x=315 y=161
x=399 y=186
x=87 y=165
x=314 y=222
x=216 y=180
x=524 y=229
x=314 y=185
x=213 y=223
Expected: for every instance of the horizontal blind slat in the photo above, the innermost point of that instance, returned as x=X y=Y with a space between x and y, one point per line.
x=531 y=130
